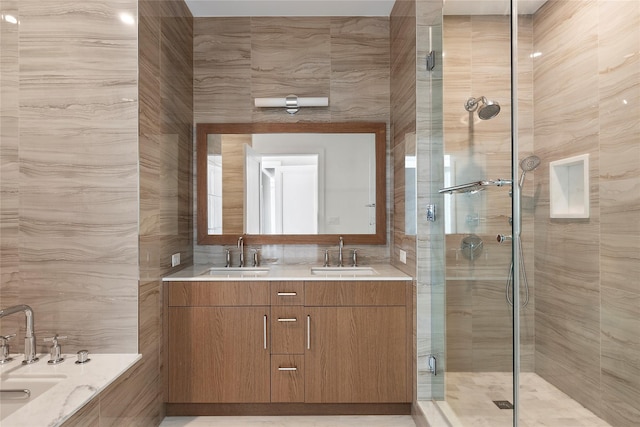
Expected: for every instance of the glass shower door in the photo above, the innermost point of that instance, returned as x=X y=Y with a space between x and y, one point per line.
x=478 y=200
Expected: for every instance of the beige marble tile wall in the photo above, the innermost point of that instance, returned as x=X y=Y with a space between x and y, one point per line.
x=587 y=100
x=165 y=150
x=477 y=63
x=9 y=162
x=69 y=165
x=346 y=59
x=403 y=118
x=76 y=211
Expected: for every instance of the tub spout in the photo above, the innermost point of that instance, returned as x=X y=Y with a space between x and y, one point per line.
x=29 y=337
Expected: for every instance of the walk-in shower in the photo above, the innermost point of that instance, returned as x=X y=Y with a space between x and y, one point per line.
x=488 y=110
x=557 y=345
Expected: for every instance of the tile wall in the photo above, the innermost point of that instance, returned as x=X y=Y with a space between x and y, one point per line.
x=96 y=139
x=587 y=100
x=165 y=153
x=69 y=242
x=403 y=124
x=346 y=59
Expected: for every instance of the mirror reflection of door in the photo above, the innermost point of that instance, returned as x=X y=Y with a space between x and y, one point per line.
x=252 y=186
x=281 y=193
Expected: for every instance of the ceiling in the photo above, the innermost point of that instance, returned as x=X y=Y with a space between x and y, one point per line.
x=201 y=8
x=290 y=7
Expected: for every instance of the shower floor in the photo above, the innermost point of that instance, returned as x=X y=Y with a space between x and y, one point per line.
x=471 y=396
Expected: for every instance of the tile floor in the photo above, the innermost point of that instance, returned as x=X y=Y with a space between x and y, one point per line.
x=471 y=395
x=292 y=421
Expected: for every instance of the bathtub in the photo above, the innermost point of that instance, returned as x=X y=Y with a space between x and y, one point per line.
x=56 y=391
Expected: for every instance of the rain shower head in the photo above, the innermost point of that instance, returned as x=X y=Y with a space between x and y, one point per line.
x=488 y=110
x=528 y=164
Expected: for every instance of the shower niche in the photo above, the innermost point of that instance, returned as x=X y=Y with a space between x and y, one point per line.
x=569 y=187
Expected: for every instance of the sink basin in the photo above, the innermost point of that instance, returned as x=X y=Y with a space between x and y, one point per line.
x=236 y=271
x=11 y=396
x=343 y=271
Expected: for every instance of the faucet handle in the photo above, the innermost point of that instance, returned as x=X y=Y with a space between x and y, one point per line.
x=55 y=339
x=354 y=258
x=256 y=258
x=55 y=352
x=228 y=258
x=4 y=339
x=4 y=348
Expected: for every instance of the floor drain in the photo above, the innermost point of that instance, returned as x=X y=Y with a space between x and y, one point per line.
x=503 y=404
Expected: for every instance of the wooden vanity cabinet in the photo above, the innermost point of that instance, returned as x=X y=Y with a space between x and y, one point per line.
x=356 y=349
x=218 y=347
x=296 y=343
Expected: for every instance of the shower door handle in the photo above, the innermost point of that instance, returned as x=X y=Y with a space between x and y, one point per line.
x=501 y=238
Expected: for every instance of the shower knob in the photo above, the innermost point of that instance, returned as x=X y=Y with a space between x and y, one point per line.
x=501 y=238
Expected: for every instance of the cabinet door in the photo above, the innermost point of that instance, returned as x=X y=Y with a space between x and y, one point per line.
x=218 y=354
x=356 y=354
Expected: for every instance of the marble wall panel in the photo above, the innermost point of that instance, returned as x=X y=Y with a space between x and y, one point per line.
x=403 y=118
x=360 y=64
x=70 y=158
x=9 y=163
x=587 y=277
x=346 y=59
x=166 y=138
x=78 y=207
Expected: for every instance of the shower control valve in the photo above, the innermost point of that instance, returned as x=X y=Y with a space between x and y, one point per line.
x=501 y=238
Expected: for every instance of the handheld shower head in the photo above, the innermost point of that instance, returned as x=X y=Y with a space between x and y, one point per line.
x=527 y=165
x=488 y=110
x=530 y=163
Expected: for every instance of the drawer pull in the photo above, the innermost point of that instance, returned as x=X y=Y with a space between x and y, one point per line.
x=287 y=294
x=287 y=369
x=292 y=319
x=308 y=332
x=265 y=331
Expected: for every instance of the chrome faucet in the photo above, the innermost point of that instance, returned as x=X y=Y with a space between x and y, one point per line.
x=29 y=337
x=241 y=247
x=340 y=245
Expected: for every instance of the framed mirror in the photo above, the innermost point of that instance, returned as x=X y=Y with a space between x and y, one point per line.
x=299 y=183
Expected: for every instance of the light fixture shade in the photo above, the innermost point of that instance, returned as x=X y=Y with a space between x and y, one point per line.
x=292 y=103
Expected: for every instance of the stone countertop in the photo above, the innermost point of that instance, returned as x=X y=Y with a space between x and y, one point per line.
x=78 y=385
x=288 y=273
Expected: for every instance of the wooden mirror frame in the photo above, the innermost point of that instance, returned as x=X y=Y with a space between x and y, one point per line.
x=380 y=131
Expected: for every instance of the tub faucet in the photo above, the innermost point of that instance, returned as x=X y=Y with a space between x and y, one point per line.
x=241 y=247
x=29 y=337
x=340 y=245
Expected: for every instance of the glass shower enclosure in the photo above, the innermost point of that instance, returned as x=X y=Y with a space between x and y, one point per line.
x=531 y=304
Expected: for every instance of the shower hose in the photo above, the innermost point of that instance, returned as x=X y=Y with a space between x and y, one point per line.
x=509 y=286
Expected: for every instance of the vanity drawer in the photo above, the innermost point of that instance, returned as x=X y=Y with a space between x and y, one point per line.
x=287 y=330
x=287 y=293
x=203 y=294
x=355 y=293
x=287 y=378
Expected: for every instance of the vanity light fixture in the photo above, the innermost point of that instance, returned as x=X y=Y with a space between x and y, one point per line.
x=292 y=103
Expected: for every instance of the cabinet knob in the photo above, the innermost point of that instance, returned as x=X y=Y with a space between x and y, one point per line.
x=287 y=369
x=292 y=319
